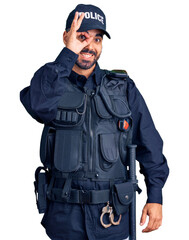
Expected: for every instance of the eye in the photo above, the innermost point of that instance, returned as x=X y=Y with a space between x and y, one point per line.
x=98 y=40
x=82 y=37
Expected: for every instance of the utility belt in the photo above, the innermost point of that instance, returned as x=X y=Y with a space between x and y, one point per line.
x=120 y=195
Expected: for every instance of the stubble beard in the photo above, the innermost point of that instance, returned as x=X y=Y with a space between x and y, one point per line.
x=84 y=64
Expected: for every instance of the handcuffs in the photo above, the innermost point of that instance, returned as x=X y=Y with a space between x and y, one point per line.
x=109 y=209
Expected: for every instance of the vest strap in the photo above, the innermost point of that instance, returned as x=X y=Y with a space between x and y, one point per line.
x=67 y=188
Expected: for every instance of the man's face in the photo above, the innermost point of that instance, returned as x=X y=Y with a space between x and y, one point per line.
x=91 y=53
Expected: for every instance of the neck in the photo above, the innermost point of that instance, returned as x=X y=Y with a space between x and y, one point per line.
x=84 y=72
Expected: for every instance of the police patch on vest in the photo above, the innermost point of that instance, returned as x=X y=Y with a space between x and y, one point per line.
x=93 y=15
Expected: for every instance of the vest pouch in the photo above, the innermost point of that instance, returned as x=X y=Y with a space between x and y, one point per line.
x=101 y=109
x=47 y=146
x=40 y=184
x=115 y=101
x=109 y=150
x=67 y=152
x=71 y=109
x=122 y=196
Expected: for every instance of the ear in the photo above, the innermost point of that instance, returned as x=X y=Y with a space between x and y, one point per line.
x=65 y=35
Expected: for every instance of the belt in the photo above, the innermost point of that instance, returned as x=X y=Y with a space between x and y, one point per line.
x=80 y=196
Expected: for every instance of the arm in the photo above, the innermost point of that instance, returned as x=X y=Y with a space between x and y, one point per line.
x=149 y=154
x=42 y=96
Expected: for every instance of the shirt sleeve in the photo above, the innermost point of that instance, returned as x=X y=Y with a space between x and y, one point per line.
x=42 y=96
x=153 y=164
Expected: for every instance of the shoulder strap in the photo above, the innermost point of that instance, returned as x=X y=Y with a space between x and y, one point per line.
x=118 y=73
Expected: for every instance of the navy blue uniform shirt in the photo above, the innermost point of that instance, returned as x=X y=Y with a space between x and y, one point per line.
x=41 y=98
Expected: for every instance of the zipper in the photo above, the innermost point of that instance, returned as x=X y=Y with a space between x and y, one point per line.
x=90 y=133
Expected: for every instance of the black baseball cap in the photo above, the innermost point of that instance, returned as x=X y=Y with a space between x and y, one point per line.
x=94 y=19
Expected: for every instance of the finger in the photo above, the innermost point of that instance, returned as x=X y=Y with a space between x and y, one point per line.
x=79 y=20
x=85 y=38
x=149 y=228
x=154 y=227
x=74 y=22
x=85 y=34
x=87 y=41
x=154 y=224
x=157 y=223
x=151 y=225
x=143 y=217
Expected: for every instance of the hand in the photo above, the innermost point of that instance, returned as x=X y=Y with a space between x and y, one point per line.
x=72 y=39
x=154 y=211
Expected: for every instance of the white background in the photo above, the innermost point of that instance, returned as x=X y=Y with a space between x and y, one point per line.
x=150 y=40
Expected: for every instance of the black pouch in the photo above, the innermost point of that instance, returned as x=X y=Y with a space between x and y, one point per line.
x=71 y=109
x=122 y=196
x=40 y=184
x=67 y=151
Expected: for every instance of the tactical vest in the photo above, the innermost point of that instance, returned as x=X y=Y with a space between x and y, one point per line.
x=88 y=139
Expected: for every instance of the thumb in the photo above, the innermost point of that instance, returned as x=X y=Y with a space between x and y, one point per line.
x=143 y=217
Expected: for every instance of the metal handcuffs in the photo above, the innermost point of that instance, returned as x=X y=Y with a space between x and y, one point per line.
x=109 y=209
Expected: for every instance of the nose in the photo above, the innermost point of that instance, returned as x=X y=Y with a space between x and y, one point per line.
x=90 y=46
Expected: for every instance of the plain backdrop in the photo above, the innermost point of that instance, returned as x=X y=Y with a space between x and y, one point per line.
x=150 y=40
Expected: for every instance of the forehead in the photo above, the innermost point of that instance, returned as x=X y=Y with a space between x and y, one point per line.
x=95 y=32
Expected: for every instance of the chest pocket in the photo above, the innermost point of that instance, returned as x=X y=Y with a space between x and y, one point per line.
x=71 y=109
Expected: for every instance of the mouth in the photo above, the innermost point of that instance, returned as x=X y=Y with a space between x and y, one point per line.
x=87 y=56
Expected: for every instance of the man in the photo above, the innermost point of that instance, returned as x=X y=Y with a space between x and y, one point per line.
x=84 y=144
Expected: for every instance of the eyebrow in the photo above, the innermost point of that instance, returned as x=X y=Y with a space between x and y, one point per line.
x=97 y=35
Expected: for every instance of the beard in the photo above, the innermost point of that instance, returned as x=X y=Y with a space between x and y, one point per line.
x=85 y=64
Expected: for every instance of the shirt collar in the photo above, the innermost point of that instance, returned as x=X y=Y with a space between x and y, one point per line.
x=81 y=80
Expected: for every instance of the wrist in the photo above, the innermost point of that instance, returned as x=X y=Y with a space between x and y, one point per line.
x=67 y=57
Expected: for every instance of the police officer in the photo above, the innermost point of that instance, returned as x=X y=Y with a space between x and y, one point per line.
x=89 y=115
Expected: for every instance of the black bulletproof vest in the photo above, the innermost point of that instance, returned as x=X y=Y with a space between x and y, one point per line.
x=89 y=137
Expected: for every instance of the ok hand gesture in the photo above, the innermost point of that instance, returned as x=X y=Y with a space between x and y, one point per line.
x=73 y=39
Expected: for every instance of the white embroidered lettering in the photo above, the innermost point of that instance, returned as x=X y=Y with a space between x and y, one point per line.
x=87 y=15
x=93 y=15
x=101 y=19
